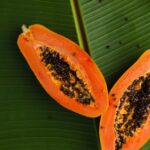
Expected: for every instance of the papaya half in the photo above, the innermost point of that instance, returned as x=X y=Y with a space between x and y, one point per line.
x=65 y=71
x=126 y=123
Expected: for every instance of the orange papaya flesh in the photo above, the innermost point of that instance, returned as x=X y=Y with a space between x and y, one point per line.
x=126 y=123
x=65 y=71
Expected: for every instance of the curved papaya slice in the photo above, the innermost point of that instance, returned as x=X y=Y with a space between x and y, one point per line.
x=64 y=70
x=126 y=123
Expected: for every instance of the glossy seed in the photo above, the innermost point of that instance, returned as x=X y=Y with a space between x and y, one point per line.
x=135 y=103
x=70 y=84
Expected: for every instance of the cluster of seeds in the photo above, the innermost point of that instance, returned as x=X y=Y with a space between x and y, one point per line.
x=70 y=84
x=133 y=110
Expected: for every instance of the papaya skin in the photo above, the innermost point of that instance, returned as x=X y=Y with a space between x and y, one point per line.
x=37 y=35
x=106 y=128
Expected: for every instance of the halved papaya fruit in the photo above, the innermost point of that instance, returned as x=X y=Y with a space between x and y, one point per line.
x=65 y=71
x=126 y=123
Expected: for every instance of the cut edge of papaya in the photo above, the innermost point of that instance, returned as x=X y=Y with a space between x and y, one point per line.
x=107 y=129
x=37 y=35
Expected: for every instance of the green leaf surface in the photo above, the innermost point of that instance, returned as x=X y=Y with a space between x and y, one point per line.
x=117 y=32
x=29 y=118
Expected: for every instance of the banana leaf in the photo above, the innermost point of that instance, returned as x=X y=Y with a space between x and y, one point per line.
x=29 y=118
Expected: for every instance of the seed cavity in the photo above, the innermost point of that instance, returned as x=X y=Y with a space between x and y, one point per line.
x=70 y=83
x=133 y=110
